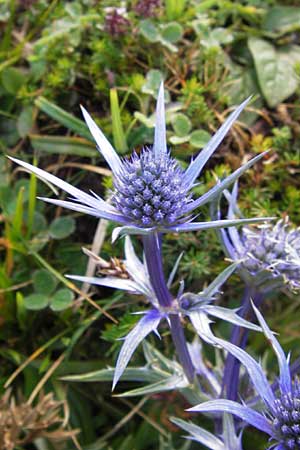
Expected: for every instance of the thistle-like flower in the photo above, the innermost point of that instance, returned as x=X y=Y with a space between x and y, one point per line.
x=269 y=255
x=197 y=308
x=280 y=418
x=151 y=191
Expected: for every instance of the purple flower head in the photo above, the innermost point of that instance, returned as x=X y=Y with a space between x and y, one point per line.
x=280 y=418
x=115 y=22
x=151 y=191
x=146 y=8
x=269 y=254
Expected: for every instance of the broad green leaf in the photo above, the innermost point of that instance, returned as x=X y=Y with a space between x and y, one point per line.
x=63 y=145
x=153 y=79
x=199 y=138
x=149 y=30
x=12 y=80
x=147 y=121
x=216 y=37
x=39 y=222
x=25 y=121
x=275 y=69
x=282 y=19
x=9 y=133
x=181 y=124
x=176 y=140
x=244 y=84
x=63 y=117
x=171 y=32
x=43 y=282
x=62 y=299
x=39 y=241
x=36 y=301
x=62 y=227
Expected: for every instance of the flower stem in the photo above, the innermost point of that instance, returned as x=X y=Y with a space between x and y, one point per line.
x=239 y=337
x=155 y=269
x=181 y=347
x=152 y=250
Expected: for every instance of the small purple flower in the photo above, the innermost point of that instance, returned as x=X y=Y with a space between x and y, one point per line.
x=269 y=254
x=151 y=191
x=146 y=8
x=280 y=418
x=115 y=22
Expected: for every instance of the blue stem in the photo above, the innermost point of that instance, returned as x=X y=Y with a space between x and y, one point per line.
x=239 y=337
x=152 y=250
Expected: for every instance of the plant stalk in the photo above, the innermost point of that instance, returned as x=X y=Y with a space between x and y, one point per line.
x=239 y=337
x=152 y=249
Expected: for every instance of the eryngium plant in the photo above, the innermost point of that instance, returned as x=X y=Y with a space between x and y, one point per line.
x=280 y=415
x=269 y=255
x=153 y=195
x=151 y=191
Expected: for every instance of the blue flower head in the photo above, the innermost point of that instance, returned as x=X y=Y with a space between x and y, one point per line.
x=280 y=418
x=151 y=191
x=269 y=254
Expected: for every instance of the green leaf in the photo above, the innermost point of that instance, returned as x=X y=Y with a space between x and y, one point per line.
x=63 y=117
x=117 y=127
x=165 y=384
x=176 y=140
x=149 y=122
x=43 y=282
x=216 y=37
x=36 y=302
x=153 y=79
x=21 y=311
x=171 y=32
x=63 y=145
x=62 y=227
x=181 y=124
x=174 y=8
x=25 y=121
x=149 y=30
x=199 y=138
x=282 y=19
x=12 y=80
x=245 y=84
x=61 y=300
x=130 y=374
x=275 y=69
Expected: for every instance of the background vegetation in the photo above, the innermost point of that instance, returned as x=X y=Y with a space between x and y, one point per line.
x=110 y=57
